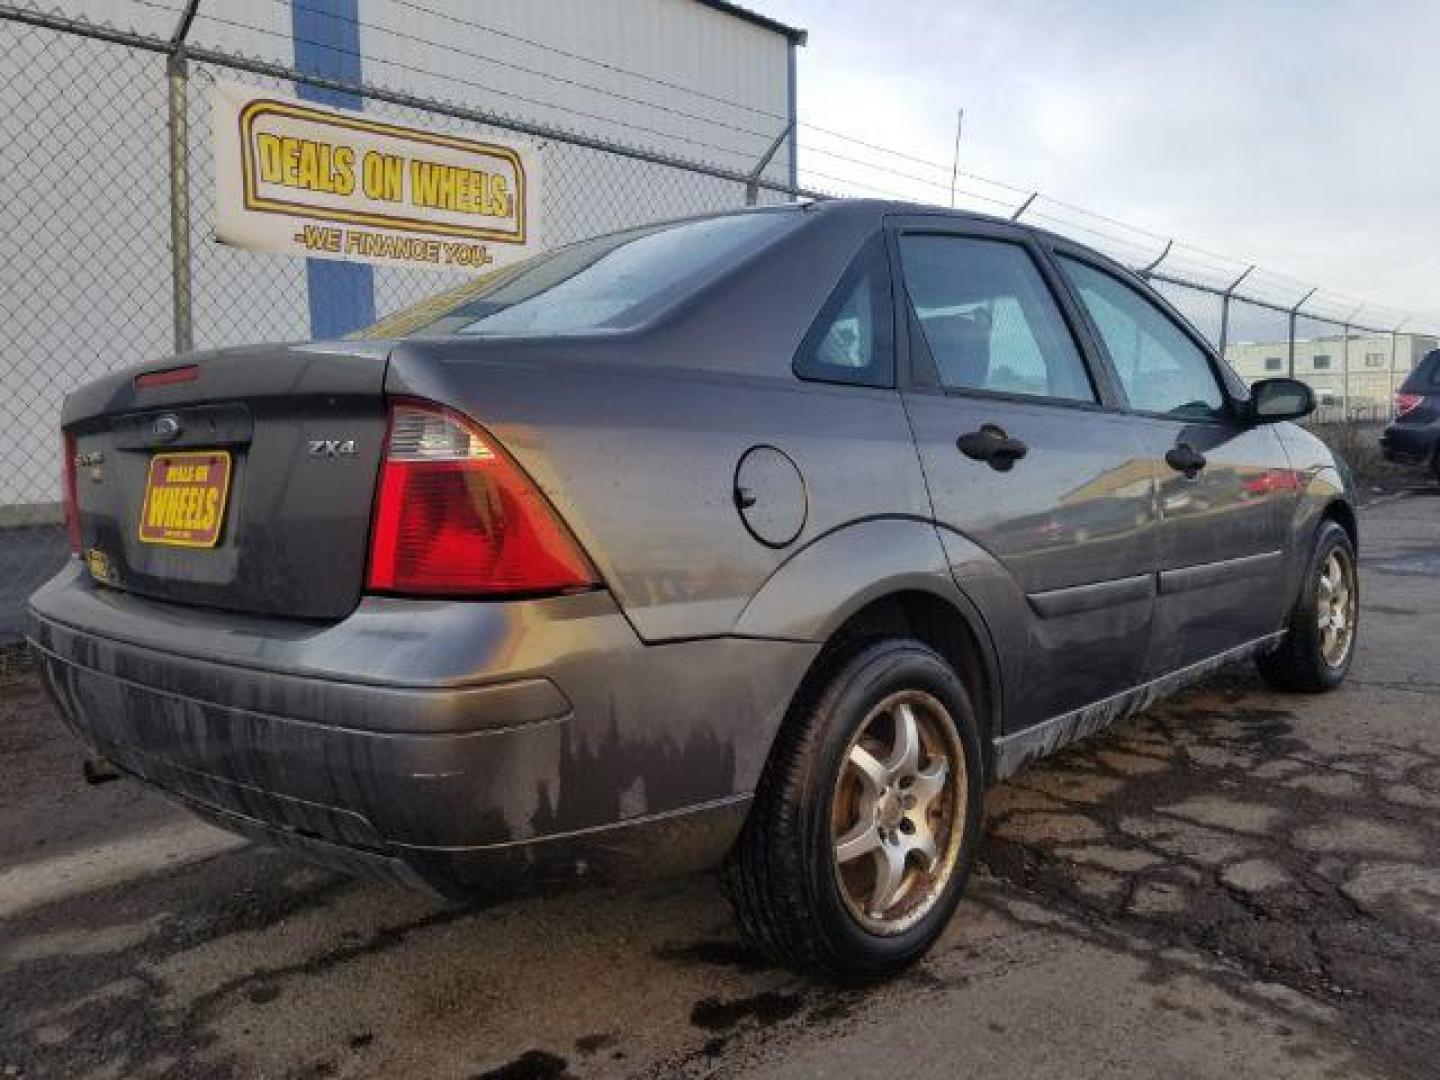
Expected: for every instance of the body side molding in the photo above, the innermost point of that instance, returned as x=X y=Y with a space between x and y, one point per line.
x=1204 y=575
x=1075 y=599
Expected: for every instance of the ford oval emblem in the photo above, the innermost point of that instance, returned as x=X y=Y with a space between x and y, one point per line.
x=165 y=427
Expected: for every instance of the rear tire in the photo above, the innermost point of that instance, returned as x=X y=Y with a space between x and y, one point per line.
x=1319 y=643
x=865 y=822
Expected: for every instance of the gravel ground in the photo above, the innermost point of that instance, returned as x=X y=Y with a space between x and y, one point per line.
x=1236 y=884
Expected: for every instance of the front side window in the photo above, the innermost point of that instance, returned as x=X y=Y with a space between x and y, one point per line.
x=990 y=320
x=1160 y=367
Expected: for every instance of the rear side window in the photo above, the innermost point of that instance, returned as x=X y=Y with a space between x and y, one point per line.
x=1162 y=370
x=853 y=338
x=990 y=320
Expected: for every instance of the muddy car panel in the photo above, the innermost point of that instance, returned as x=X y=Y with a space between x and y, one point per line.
x=737 y=516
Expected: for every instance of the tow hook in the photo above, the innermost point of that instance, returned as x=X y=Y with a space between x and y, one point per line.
x=98 y=771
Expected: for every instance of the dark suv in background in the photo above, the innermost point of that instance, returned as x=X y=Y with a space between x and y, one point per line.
x=1413 y=437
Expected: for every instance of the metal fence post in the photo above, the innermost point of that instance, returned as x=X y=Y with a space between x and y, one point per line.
x=1345 y=372
x=1394 y=349
x=180 y=205
x=1390 y=397
x=1225 y=306
x=1345 y=362
x=177 y=76
x=1294 y=312
x=752 y=181
x=1154 y=264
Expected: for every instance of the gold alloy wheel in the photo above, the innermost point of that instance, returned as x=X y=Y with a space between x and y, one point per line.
x=898 y=814
x=1335 y=607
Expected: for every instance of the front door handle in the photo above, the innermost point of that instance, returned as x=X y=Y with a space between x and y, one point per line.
x=991 y=445
x=1184 y=458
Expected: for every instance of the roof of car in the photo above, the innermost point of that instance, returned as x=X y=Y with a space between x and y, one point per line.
x=879 y=208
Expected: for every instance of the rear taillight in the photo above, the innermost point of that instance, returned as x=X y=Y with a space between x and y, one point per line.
x=72 y=506
x=1405 y=403
x=455 y=516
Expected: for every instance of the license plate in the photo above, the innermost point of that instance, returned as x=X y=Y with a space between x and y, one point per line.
x=185 y=497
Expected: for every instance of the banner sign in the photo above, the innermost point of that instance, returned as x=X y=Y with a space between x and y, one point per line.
x=325 y=183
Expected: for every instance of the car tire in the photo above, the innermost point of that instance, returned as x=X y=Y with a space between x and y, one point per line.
x=1317 y=650
x=845 y=805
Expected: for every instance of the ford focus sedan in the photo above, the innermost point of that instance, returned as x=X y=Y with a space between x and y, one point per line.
x=765 y=541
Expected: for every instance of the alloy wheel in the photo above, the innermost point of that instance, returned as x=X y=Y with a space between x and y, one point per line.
x=1335 y=608
x=898 y=813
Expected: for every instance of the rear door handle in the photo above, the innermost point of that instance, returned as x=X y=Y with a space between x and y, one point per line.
x=991 y=445
x=1184 y=458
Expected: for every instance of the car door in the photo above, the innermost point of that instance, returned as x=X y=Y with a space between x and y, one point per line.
x=1028 y=459
x=1223 y=485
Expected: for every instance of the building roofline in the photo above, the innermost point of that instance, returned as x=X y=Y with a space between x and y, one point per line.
x=795 y=34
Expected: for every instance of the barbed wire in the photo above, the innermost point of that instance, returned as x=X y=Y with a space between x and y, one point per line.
x=1186 y=262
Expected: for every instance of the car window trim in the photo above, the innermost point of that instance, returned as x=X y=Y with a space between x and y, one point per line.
x=1014 y=398
x=898 y=225
x=1101 y=265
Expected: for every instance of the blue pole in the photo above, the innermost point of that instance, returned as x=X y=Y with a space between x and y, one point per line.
x=327 y=42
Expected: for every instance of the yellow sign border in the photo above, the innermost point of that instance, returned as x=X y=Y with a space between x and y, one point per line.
x=224 y=497
x=259 y=107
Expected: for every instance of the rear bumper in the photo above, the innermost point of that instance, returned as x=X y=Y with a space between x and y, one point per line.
x=1410 y=444
x=494 y=744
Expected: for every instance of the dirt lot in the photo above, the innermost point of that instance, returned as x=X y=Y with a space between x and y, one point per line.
x=1237 y=884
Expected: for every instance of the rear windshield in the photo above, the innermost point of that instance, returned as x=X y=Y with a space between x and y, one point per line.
x=612 y=282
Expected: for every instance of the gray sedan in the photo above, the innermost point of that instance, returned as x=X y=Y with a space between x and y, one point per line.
x=764 y=540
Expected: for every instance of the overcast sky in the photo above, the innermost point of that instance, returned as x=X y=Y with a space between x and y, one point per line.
x=1304 y=136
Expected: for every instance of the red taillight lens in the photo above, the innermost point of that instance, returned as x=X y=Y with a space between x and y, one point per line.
x=455 y=516
x=1407 y=402
x=72 y=506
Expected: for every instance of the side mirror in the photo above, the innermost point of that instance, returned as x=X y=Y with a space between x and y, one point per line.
x=1273 y=400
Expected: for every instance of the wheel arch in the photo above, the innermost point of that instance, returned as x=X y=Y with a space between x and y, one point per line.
x=939 y=622
x=1343 y=514
x=1327 y=495
x=882 y=577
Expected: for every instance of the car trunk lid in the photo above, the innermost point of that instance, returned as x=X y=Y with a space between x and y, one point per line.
x=246 y=483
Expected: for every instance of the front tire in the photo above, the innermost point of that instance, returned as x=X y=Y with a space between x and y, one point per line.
x=864 y=826
x=1319 y=643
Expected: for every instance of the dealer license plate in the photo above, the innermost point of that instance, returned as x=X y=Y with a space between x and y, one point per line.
x=185 y=496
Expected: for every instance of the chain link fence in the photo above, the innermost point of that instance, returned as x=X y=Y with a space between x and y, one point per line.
x=113 y=261
x=89 y=281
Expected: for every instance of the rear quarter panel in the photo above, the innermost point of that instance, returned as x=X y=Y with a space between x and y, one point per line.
x=635 y=437
x=641 y=464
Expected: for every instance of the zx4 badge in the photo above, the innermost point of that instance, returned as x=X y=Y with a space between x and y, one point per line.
x=328 y=448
